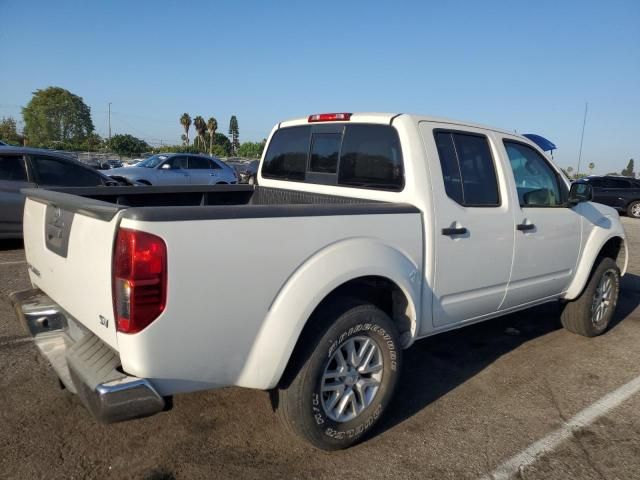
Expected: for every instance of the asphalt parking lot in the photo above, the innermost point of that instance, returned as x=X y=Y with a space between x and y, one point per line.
x=469 y=402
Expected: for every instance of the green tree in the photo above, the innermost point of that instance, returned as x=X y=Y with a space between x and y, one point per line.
x=251 y=149
x=221 y=145
x=591 y=167
x=201 y=127
x=185 y=121
x=54 y=116
x=628 y=172
x=92 y=143
x=212 y=126
x=234 y=132
x=569 y=171
x=9 y=131
x=128 y=145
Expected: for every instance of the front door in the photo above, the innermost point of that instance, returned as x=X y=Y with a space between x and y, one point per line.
x=547 y=230
x=473 y=224
x=173 y=171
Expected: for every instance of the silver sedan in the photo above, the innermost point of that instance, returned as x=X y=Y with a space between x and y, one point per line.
x=177 y=169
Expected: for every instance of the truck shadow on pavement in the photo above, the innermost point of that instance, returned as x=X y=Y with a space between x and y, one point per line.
x=11 y=244
x=435 y=366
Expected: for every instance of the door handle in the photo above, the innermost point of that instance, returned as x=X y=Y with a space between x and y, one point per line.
x=454 y=231
x=213 y=174
x=523 y=227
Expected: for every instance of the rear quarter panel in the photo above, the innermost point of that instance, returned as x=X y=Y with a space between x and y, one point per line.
x=225 y=277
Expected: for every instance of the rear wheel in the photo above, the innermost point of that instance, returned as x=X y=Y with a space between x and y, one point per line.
x=342 y=376
x=590 y=314
x=633 y=210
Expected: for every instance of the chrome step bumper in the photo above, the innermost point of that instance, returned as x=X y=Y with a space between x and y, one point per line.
x=85 y=365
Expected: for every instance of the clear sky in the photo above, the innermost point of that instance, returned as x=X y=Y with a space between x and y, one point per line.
x=520 y=65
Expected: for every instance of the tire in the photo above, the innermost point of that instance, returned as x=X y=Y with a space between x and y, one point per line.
x=633 y=210
x=299 y=401
x=581 y=315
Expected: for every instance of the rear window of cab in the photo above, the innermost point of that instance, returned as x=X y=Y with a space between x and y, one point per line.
x=351 y=155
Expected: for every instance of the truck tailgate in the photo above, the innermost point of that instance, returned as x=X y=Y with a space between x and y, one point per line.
x=69 y=250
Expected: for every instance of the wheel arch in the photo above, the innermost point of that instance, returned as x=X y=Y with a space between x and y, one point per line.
x=360 y=268
x=612 y=246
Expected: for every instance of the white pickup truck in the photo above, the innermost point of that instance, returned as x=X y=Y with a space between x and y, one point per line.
x=366 y=233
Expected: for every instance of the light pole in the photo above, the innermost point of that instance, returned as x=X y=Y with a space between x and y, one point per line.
x=109 y=121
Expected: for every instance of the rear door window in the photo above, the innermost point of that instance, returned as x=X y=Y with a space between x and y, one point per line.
x=615 y=183
x=56 y=172
x=468 y=168
x=355 y=155
x=12 y=168
x=199 y=163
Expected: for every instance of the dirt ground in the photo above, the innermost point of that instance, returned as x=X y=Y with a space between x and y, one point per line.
x=468 y=401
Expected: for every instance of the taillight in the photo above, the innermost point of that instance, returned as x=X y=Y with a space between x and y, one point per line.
x=329 y=117
x=139 y=279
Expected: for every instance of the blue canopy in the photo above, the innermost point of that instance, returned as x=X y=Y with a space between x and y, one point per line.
x=543 y=143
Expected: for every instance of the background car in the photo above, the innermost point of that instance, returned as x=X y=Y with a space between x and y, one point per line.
x=22 y=167
x=621 y=193
x=247 y=170
x=114 y=163
x=177 y=169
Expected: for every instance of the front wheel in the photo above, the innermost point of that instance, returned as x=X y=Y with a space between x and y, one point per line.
x=342 y=376
x=590 y=314
x=633 y=210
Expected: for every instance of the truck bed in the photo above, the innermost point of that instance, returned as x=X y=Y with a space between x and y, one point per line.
x=246 y=267
x=175 y=203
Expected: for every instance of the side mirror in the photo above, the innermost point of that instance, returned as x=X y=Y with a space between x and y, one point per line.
x=580 y=192
x=165 y=166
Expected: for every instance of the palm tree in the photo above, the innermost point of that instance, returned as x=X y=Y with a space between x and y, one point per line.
x=200 y=125
x=185 y=121
x=212 y=126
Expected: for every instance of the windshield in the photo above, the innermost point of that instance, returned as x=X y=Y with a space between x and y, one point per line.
x=152 y=161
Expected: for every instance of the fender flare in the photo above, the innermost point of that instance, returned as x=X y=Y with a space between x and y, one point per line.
x=597 y=240
x=303 y=291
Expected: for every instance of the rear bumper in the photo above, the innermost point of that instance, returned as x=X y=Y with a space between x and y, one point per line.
x=85 y=365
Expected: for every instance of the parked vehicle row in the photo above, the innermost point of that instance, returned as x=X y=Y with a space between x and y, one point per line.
x=621 y=193
x=371 y=231
x=22 y=167
x=247 y=169
x=178 y=169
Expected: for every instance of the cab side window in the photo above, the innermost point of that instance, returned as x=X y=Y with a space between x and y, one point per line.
x=537 y=182
x=468 y=169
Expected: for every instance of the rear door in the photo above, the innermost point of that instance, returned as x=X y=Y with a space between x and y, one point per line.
x=474 y=224
x=547 y=231
x=13 y=177
x=203 y=171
